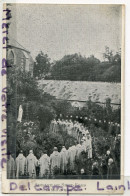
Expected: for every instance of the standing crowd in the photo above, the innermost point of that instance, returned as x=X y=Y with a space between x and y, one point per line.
x=64 y=162
x=75 y=129
x=75 y=162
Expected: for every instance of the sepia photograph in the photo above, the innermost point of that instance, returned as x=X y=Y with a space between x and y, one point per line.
x=64 y=84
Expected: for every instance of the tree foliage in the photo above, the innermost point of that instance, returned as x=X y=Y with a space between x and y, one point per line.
x=42 y=65
x=76 y=67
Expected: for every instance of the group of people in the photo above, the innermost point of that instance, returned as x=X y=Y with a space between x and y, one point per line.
x=59 y=162
x=56 y=165
x=75 y=129
x=76 y=162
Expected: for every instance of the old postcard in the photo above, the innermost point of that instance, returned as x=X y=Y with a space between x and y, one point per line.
x=62 y=98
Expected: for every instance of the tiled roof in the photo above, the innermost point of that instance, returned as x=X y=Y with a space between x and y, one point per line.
x=14 y=43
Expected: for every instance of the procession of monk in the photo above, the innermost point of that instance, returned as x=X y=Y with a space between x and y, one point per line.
x=75 y=129
x=58 y=162
x=76 y=160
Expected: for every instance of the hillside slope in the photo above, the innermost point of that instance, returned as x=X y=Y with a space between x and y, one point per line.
x=82 y=90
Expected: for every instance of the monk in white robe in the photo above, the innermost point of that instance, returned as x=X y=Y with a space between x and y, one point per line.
x=74 y=134
x=55 y=160
x=89 y=146
x=82 y=129
x=72 y=156
x=20 y=165
x=63 y=125
x=77 y=127
x=44 y=163
x=78 y=150
x=10 y=168
x=70 y=127
x=64 y=160
x=31 y=162
x=84 y=144
x=58 y=125
x=54 y=126
x=79 y=136
x=51 y=125
x=67 y=126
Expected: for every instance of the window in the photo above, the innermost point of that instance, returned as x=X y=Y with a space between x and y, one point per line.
x=11 y=57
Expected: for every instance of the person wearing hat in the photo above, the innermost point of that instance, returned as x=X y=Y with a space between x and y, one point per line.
x=31 y=163
x=55 y=159
x=44 y=163
x=20 y=164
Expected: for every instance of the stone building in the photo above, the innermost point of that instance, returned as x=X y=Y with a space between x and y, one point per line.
x=19 y=56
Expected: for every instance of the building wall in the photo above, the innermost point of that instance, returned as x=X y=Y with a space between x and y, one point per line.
x=22 y=59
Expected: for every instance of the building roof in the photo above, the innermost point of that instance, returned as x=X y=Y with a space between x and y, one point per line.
x=82 y=90
x=12 y=42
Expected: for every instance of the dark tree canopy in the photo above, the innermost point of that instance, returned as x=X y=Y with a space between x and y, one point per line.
x=78 y=68
x=41 y=65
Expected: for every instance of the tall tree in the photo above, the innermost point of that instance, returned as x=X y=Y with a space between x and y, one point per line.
x=41 y=65
x=108 y=54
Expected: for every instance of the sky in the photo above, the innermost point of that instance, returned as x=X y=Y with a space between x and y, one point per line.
x=58 y=30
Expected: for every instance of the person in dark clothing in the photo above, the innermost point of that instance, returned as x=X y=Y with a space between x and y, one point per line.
x=104 y=169
x=82 y=161
x=108 y=156
x=117 y=151
x=112 y=171
x=95 y=171
x=82 y=174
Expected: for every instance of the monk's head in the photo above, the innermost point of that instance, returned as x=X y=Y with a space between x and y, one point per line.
x=55 y=149
x=20 y=152
x=30 y=151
